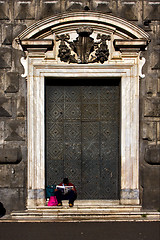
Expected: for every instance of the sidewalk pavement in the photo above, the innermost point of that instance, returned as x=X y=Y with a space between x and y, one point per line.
x=80 y=230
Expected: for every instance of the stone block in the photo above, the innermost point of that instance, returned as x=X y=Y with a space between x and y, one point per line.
x=151 y=198
x=17 y=29
x=75 y=6
x=5 y=107
x=152 y=107
x=15 y=131
x=152 y=84
x=5 y=58
x=18 y=178
x=1 y=132
x=12 y=82
x=149 y=85
x=152 y=155
x=150 y=177
x=21 y=107
x=150 y=186
x=129 y=11
x=7 y=34
x=151 y=10
x=5 y=176
x=4 y=10
x=149 y=131
x=10 y=155
x=2 y=73
x=156 y=63
x=13 y=199
x=13 y=175
x=103 y=7
x=24 y=10
x=49 y=8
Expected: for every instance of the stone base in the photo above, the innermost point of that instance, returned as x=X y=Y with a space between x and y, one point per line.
x=129 y=201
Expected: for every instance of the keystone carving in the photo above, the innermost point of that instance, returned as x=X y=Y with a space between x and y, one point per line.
x=83 y=46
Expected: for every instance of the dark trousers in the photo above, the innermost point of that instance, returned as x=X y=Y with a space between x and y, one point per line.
x=71 y=196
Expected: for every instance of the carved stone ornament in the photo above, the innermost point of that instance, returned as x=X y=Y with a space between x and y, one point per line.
x=83 y=46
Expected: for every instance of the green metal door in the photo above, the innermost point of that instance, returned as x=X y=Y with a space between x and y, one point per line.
x=82 y=137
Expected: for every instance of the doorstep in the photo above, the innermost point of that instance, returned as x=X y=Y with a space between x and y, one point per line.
x=84 y=211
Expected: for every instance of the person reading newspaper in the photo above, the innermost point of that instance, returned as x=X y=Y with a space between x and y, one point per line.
x=66 y=191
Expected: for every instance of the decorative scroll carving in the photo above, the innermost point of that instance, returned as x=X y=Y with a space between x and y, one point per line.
x=24 y=64
x=83 y=46
x=141 y=64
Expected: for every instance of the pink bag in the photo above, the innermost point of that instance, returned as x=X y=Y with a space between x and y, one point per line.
x=52 y=201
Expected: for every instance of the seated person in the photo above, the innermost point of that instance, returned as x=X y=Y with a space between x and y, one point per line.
x=71 y=195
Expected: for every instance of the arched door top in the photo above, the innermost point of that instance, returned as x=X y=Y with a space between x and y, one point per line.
x=104 y=22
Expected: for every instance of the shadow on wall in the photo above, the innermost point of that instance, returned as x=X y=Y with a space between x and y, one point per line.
x=2 y=210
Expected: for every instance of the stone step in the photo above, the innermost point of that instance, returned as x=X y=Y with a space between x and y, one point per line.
x=93 y=203
x=73 y=212
x=81 y=207
x=83 y=210
x=92 y=216
x=70 y=213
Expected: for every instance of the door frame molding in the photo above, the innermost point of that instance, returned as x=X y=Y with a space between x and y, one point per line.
x=129 y=190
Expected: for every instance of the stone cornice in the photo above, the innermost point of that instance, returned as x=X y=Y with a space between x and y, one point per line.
x=132 y=45
x=37 y=45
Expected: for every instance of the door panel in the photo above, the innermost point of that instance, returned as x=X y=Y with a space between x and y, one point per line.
x=90 y=160
x=82 y=138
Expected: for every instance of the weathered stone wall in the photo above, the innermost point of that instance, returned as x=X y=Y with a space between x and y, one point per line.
x=15 y=16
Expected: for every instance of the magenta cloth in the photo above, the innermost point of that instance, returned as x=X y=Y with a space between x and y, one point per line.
x=52 y=201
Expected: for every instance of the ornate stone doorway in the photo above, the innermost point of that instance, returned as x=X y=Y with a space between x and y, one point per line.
x=82 y=135
x=83 y=45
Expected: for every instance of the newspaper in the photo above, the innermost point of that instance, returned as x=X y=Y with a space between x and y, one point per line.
x=64 y=189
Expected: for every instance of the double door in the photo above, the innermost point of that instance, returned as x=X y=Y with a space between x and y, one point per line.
x=82 y=136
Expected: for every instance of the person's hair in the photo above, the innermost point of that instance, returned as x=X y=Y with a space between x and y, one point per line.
x=65 y=181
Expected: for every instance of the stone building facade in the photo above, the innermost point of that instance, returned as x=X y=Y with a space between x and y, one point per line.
x=17 y=170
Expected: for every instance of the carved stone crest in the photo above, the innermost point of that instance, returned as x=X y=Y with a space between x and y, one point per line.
x=84 y=47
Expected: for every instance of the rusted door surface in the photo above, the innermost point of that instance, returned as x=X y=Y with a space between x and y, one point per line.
x=82 y=138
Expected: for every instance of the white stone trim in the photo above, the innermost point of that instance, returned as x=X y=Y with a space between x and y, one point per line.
x=127 y=70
